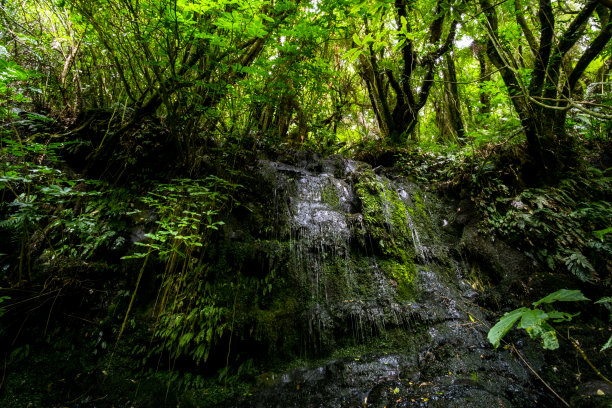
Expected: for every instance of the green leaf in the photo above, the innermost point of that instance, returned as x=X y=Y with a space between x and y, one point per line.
x=558 y=316
x=137 y=255
x=532 y=318
x=185 y=338
x=357 y=40
x=563 y=295
x=502 y=327
x=352 y=54
x=607 y=345
x=600 y=233
x=549 y=338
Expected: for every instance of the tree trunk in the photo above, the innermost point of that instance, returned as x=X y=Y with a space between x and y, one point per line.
x=485 y=101
x=451 y=98
x=408 y=97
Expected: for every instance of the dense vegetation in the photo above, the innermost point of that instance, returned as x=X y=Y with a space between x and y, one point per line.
x=130 y=130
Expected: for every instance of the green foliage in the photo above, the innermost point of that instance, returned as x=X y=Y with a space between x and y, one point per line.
x=10 y=72
x=607 y=302
x=564 y=227
x=3 y=299
x=579 y=265
x=589 y=127
x=562 y=295
x=186 y=209
x=497 y=332
x=432 y=163
x=535 y=321
x=258 y=75
x=192 y=310
x=48 y=212
x=602 y=233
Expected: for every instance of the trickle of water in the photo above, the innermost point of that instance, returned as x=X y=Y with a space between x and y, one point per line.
x=350 y=292
x=416 y=240
x=341 y=280
x=420 y=249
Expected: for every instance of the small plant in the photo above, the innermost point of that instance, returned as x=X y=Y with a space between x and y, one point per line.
x=48 y=214
x=607 y=302
x=10 y=72
x=535 y=321
x=564 y=227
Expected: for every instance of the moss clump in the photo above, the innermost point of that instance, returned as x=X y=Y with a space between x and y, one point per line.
x=419 y=205
x=384 y=214
x=330 y=196
x=403 y=273
x=386 y=223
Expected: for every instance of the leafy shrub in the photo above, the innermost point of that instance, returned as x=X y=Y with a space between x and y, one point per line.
x=535 y=321
x=191 y=312
x=562 y=226
x=45 y=211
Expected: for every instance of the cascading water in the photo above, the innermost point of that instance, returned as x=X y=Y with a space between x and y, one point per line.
x=377 y=276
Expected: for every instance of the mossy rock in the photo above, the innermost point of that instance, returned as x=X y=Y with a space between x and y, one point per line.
x=384 y=215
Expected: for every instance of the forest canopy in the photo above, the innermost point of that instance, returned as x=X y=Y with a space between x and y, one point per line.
x=328 y=74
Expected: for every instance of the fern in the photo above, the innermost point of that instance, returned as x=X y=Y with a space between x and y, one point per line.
x=580 y=266
x=11 y=223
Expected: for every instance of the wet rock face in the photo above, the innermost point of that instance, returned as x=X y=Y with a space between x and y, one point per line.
x=376 y=284
x=398 y=381
x=356 y=239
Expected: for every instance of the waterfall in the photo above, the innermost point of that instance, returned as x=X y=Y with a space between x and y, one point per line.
x=377 y=283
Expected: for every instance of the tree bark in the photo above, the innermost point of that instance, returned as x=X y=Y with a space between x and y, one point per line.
x=526 y=114
x=452 y=99
x=484 y=98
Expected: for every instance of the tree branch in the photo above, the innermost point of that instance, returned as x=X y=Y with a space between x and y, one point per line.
x=568 y=39
x=589 y=55
x=547 y=25
x=520 y=19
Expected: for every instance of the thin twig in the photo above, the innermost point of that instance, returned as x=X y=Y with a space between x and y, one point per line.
x=51 y=311
x=584 y=356
x=83 y=319
x=518 y=353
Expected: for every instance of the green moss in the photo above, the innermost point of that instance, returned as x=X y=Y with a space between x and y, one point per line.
x=403 y=274
x=385 y=216
x=335 y=283
x=419 y=205
x=330 y=196
x=421 y=215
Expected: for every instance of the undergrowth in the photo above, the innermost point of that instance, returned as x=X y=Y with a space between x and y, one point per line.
x=565 y=227
x=189 y=316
